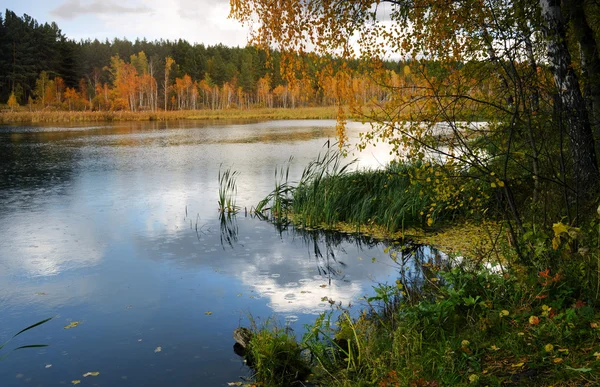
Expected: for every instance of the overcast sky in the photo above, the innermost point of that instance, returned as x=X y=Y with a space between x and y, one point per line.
x=200 y=21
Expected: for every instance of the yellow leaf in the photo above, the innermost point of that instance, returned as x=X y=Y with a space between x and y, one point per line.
x=208 y=313
x=559 y=229
x=500 y=183
x=493 y=185
x=95 y=373
x=549 y=347
x=75 y=381
x=518 y=365
x=429 y=222
x=557 y=360
x=72 y=324
x=158 y=349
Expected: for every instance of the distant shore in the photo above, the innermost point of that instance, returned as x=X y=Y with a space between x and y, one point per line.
x=29 y=117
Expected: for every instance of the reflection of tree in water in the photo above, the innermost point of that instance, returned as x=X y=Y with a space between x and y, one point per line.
x=417 y=264
x=326 y=246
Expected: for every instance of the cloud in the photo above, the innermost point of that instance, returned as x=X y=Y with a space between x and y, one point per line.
x=71 y=9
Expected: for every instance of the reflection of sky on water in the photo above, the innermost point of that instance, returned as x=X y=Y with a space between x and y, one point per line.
x=94 y=229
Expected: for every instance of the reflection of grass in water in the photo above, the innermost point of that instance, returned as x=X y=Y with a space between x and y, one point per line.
x=229 y=230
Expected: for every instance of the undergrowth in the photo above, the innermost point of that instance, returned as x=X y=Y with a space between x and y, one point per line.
x=453 y=325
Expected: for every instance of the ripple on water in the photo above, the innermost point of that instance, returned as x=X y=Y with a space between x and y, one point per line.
x=291 y=284
x=291 y=318
x=290 y=296
x=275 y=275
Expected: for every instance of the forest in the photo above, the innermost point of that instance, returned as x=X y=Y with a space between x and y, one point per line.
x=43 y=69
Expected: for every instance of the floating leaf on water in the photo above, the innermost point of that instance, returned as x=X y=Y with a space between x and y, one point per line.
x=234 y=383
x=72 y=324
x=239 y=294
x=323 y=286
x=75 y=381
x=158 y=349
x=41 y=293
x=208 y=313
x=373 y=259
x=48 y=365
x=129 y=307
x=95 y=373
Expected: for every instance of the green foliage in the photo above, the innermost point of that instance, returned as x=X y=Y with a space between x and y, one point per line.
x=469 y=327
x=275 y=356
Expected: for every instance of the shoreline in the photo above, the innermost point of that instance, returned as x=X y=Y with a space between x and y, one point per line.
x=33 y=117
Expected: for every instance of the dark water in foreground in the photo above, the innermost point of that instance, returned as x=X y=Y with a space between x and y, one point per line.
x=98 y=226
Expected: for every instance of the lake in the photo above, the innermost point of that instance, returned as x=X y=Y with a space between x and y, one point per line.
x=113 y=229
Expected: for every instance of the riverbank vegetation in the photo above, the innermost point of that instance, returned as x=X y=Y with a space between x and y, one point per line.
x=527 y=310
x=35 y=117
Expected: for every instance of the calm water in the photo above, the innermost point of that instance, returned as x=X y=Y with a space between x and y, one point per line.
x=98 y=226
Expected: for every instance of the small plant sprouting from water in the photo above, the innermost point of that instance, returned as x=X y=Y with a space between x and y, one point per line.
x=227 y=192
x=2 y=357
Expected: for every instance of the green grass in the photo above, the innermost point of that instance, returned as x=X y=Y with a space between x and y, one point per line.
x=275 y=356
x=459 y=326
x=330 y=192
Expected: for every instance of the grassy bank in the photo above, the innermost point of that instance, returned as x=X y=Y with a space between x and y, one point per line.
x=456 y=327
x=25 y=117
x=488 y=320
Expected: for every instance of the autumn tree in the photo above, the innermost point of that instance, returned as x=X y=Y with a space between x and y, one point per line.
x=12 y=102
x=513 y=65
x=169 y=62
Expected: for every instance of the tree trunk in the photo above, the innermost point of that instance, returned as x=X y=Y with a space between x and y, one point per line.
x=590 y=64
x=573 y=107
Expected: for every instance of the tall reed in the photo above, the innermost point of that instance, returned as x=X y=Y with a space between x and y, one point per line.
x=227 y=192
x=330 y=192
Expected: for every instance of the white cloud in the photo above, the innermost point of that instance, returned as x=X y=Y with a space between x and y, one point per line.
x=71 y=9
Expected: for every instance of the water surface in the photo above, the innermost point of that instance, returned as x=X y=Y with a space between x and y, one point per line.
x=116 y=227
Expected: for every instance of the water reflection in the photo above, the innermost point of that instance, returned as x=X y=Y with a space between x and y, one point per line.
x=117 y=226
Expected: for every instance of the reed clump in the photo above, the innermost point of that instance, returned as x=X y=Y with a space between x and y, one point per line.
x=330 y=192
x=227 y=192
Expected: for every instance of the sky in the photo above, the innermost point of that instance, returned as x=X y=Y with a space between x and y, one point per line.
x=197 y=21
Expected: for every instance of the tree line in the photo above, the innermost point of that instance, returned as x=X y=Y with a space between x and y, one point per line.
x=43 y=69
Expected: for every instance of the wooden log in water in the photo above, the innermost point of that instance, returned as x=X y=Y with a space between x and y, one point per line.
x=242 y=336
